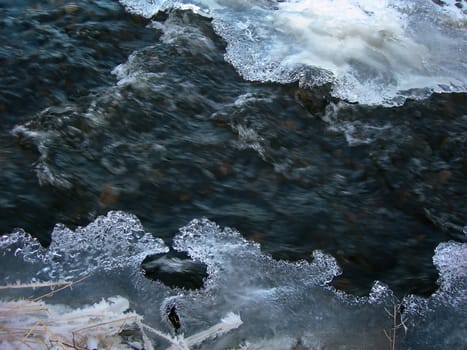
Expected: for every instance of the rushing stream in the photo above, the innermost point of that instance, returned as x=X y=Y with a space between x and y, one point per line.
x=288 y=154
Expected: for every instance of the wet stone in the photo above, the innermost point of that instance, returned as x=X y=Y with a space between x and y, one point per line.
x=175 y=270
x=315 y=101
x=173 y=317
x=70 y=8
x=109 y=195
x=225 y=169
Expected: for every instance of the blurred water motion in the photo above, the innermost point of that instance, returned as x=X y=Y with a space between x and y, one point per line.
x=175 y=134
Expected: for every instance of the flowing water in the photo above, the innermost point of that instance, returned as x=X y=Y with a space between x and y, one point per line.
x=329 y=135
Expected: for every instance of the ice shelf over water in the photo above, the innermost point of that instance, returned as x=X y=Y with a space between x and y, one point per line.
x=273 y=304
x=372 y=52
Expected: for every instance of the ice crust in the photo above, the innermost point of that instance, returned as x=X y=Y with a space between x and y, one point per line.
x=373 y=52
x=109 y=243
x=282 y=304
x=440 y=322
x=221 y=249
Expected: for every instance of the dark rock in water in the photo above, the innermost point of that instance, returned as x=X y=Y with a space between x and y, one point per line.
x=173 y=317
x=315 y=100
x=439 y=2
x=109 y=196
x=175 y=270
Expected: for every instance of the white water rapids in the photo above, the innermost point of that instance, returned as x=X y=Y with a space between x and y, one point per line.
x=371 y=52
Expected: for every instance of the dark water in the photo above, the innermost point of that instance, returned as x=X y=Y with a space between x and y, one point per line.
x=183 y=136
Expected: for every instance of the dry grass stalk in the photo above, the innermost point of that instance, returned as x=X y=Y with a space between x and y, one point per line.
x=32 y=324
x=62 y=285
x=34 y=285
x=67 y=285
x=35 y=325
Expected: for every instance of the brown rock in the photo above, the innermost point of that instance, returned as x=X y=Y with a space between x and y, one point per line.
x=71 y=8
x=225 y=169
x=109 y=195
x=315 y=101
x=444 y=176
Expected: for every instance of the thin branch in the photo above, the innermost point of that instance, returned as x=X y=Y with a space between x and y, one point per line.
x=395 y=314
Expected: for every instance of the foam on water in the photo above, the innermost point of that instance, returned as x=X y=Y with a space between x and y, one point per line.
x=372 y=52
x=282 y=305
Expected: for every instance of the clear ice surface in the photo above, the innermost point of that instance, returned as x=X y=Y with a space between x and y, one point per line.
x=282 y=304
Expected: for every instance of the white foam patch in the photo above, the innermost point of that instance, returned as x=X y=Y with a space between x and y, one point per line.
x=373 y=52
x=356 y=132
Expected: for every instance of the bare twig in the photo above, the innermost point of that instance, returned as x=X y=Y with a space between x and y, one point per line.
x=395 y=314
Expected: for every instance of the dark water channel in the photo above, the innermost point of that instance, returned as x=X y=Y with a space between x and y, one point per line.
x=176 y=134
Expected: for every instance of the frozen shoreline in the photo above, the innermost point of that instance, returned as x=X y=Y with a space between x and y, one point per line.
x=293 y=299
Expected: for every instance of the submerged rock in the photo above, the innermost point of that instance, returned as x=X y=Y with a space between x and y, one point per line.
x=175 y=270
